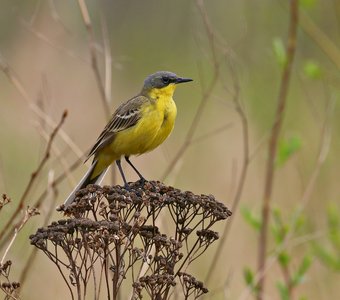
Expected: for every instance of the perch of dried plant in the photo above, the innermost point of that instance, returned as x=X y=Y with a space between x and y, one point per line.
x=112 y=240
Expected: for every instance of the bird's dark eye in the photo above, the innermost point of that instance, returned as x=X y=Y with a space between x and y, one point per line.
x=166 y=80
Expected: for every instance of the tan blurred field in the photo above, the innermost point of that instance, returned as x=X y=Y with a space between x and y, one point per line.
x=46 y=45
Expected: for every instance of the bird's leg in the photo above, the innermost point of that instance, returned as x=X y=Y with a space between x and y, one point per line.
x=122 y=173
x=139 y=174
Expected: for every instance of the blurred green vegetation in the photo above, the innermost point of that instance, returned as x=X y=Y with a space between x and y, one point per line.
x=46 y=45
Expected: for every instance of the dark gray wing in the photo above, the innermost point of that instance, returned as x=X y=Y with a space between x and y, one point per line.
x=126 y=115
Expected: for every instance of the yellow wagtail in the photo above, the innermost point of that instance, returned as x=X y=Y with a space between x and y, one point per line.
x=139 y=125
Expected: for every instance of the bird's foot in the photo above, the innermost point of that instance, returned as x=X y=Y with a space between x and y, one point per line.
x=127 y=187
x=142 y=181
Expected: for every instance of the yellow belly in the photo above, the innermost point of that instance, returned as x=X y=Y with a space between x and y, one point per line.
x=149 y=132
x=168 y=122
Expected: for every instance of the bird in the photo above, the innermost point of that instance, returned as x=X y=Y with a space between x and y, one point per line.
x=138 y=125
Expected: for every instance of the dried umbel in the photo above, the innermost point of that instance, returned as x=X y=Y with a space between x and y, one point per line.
x=4 y=200
x=115 y=237
x=191 y=286
x=9 y=288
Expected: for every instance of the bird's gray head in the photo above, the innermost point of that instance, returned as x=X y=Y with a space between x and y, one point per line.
x=162 y=79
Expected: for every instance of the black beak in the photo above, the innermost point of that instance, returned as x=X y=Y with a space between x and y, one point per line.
x=182 y=80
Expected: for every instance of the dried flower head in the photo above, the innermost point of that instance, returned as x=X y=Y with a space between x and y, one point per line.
x=4 y=200
x=115 y=229
x=10 y=288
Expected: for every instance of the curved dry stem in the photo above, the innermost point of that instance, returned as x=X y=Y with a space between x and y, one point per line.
x=320 y=38
x=205 y=96
x=31 y=182
x=94 y=62
x=5 y=68
x=242 y=179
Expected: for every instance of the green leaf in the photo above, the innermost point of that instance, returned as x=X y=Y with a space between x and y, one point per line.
x=299 y=222
x=279 y=229
x=280 y=52
x=333 y=215
x=283 y=289
x=248 y=276
x=287 y=147
x=277 y=215
x=307 y=3
x=280 y=233
x=299 y=275
x=284 y=258
x=251 y=219
x=312 y=70
x=327 y=258
x=333 y=218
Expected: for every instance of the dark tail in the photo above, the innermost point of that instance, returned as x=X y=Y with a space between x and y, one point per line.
x=84 y=182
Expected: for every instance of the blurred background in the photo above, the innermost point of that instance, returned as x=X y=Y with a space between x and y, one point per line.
x=234 y=50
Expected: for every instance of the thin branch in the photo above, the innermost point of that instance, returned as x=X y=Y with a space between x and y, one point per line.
x=58 y=180
x=31 y=258
x=211 y=133
x=108 y=75
x=325 y=139
x=273 y=142
x=107 y=60
x=242 y=179
x=29 y=212
x=59 y=157
x=34 y=175
x=92 y=46
x=36 y=12
x=52 y=44
x=4 y=67
x=205 y=96
x=56 y=16
x=320 y=38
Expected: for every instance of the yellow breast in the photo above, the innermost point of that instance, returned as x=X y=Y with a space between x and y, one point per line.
x=155 y=125
x=167 y=110
x=168 y=116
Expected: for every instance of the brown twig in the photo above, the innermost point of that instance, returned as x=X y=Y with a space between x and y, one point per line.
x=108 y=75
x=59 y=157
x=92 y=46
x=273 y=142
x=36 y=12
x=52 y=44
x=205 y=96
x=58 y=180
x=211 y=133
x=288 y=281
x=31 y=258
x=325 y=139
x=242 y=179
x=29 y=212
x=30 y=184
x=107 y=59
x=5 y=68
x=320 y=38
x=56 y=16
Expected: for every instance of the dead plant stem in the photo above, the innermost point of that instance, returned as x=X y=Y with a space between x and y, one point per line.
x=29 y=186
x=94 y=62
